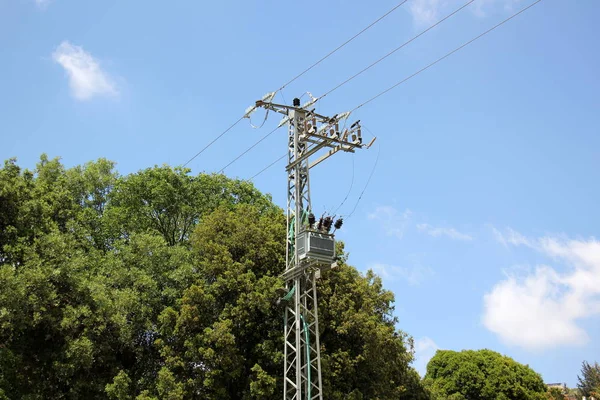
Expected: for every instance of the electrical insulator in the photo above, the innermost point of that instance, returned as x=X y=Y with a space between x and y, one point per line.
x=320 y=223
x=311 y=219
x=345 y=135
x=307 y=125
x=327 y=224
x=338 y=224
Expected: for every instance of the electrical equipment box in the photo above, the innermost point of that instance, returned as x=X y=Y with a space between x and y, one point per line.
x=316 y=246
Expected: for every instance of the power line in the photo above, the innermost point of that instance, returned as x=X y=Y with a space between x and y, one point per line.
x=446 y=56
x=364 y=69
x=248 y=149
x=300 y=74
x=214 y=140
x=396 y=49
x=349 y=189
x=268 y=166
x=422 y=70
x=345 y=43
x=368 y=179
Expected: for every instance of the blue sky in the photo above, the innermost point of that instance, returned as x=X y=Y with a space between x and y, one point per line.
x=482 y=212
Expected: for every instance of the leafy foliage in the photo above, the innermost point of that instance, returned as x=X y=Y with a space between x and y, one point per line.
x=555 y=394
x=161 y=285
x=365 y=357
x=482 y=374
x=589 y=381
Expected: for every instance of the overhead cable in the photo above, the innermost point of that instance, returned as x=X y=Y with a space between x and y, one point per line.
x=396 y=49
x=300 y=74
x=343 y=44
x=423 y=69
x=349 y=189
x=445 y=56
x=366 y=68
x=213 y=141
x=368 y=179
x=268 y=166
x=248 y=149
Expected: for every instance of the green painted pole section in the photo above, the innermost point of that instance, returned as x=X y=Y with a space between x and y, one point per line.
x=306 y=338
x=289 y=295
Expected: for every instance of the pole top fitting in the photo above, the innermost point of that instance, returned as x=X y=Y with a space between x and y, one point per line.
x=296 y=102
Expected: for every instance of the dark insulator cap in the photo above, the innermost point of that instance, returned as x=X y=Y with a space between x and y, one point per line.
x=327 y=223
x=338 y=223
x=311 y=219
x=296 y=102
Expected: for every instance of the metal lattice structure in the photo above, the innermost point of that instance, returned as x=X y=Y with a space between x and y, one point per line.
x=308 y=133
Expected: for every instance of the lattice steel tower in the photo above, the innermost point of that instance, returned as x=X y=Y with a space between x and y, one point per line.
x=310 y=245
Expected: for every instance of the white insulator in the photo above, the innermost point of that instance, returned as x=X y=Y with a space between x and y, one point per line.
x=322 y=129
x=267 y=98
x=309 y=103
x=343 y=115
x=249 y=111
x=284 y=121
x=345 y=135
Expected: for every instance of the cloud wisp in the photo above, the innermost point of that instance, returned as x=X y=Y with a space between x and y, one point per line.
x=426 y=12
x=42 y=4
x=414 y=276
x=543 y=307
x=392 y=221
x=448 y=232
x=86 y=78
x=425 y=348
x=511 y=237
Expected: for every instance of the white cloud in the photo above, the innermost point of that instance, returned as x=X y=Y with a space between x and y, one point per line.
x=499 y=236
x=392 y=222
x=42 y=3
x=542 y=308
x=427 y=12
x=511 y=237
x=449 y=232
x=86 y=78
x=425 y=348
x=413 y=275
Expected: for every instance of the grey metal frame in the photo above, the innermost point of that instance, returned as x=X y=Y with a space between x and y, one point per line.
x=305 y=140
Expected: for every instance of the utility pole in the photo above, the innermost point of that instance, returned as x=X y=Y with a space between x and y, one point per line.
x=310 y=245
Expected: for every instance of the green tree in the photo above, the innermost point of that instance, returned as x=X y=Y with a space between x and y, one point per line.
x=171 y=202
x=365 y=356
x=555 y=394
x=160 y=284
x=225 y=335
x=226 y=323
x=588 y=382
x=481 y=374
x=574 y=392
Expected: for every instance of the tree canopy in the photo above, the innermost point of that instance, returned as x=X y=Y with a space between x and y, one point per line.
x=588 y=382
x=482 y=374
x=162 y=285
